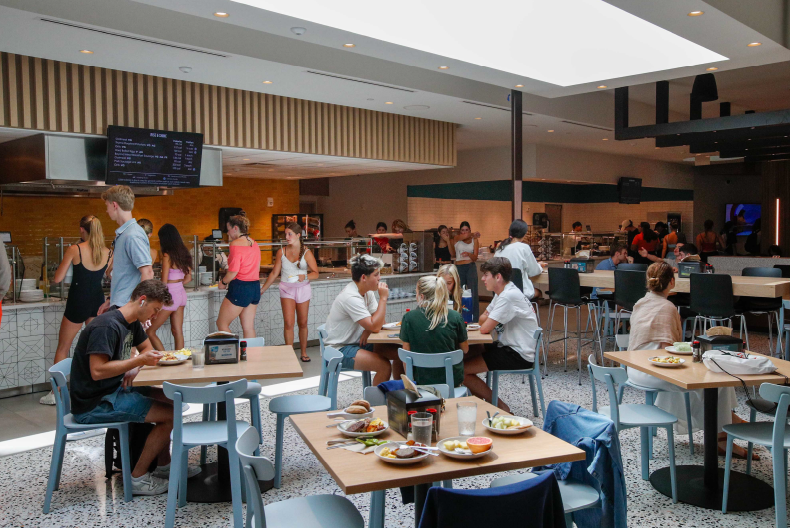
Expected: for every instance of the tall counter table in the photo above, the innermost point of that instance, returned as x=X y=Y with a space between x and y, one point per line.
x=29 y=331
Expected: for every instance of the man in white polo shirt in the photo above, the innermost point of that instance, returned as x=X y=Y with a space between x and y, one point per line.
x=511 y=314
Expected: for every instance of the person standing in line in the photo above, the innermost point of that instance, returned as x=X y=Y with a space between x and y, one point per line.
x=89 y=259
x=645 y=241
x=670 y=241
x=464 y=249
x=176 y=270
x=450 y=275
x=520 y=255
x=148 y=227
x=296 y=267
x=630 y=231
x=708 y=241
x=242 y=280
x=131 y=258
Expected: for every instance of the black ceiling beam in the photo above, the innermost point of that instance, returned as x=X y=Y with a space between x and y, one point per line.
x=747 y=151
x=623 y=132
x=740 y=134
x=724 y=109
x=710 y=146
x=662 y=102
x=755 y=159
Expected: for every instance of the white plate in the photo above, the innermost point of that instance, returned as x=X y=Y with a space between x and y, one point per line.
x=522 y=421
x=667 y=365
x=181 y=359
x=357 y=435
x=351 y=416
x=460 y=456
x=398 y=461
x=390 y=326
x=673 y=350
x=473 y=327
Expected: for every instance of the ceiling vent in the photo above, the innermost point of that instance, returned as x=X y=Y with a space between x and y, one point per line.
x=585 y=125
x=503 y=108
x=350 y=79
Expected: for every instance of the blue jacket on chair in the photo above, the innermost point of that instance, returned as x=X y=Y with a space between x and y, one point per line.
x=603 y=468
x=534 y=503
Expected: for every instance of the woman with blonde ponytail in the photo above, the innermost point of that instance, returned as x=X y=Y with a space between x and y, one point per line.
x=89 y=259
x=450 y=275
x=433 y=328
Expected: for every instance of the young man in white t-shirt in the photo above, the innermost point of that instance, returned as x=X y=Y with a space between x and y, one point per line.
x=355 y=314
x=515 y=349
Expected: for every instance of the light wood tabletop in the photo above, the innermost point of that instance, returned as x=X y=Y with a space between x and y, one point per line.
x=357 y=473
x=262 y=363
x=383 y=337
x=751 y=286
x=694 y=375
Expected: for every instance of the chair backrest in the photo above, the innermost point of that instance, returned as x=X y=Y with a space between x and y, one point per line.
x=781 y=395
x=629 y=287
x=58 y=374
x=711 y=294
x=333 y=358
x=374 y=396
x=564 y=286
x=625 y=266
x=622 y=341
x=322 y=335
x=517 y=278
x=785 y=269
x=444 y=359
x=610 y=376
x=254 y=341
x=254 y=468
x=761 y=272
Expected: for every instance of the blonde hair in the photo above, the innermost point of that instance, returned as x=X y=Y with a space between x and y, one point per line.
x=659 y=275
x=434 y=297
x=400 y=223
x=452 y=271
x=95 y=241
x=120 y=194
x=147 y=225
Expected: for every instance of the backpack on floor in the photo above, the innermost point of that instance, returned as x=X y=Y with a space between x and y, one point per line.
x=138 y=434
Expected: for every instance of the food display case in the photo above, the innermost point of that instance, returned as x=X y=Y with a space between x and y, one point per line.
x=312 y=225
x=551 y=246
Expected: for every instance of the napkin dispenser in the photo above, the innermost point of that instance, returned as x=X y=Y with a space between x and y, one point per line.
x=720 y=342
x=221 y=347
x=402 y=403
x=584 y=265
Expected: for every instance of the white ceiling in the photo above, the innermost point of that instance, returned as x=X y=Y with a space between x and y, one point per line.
x=256 y=48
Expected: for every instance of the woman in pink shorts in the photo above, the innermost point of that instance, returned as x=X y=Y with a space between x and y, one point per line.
x=176 y=270
x=295 y=265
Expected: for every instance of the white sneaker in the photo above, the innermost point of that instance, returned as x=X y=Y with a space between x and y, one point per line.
x=49 y=399
x=148 y=485
x=163 y=472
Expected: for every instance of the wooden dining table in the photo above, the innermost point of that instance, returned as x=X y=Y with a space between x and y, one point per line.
x=391 y=337
x=358 y=473
x=702 y=485
x=268 y=362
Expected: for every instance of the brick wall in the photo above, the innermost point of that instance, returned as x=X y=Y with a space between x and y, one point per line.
x=192 y=211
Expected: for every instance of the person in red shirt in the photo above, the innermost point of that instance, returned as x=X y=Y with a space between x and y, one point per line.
x=647 y=239
x=242 y=278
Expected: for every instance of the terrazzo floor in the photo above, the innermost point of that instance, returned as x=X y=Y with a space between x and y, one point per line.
x=86 y=499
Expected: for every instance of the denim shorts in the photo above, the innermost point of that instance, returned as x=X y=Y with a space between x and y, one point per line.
x=124 y=405
x=350 y=352
x=243 y=293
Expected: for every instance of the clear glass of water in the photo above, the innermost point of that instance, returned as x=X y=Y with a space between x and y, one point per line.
x=422 y=427
x=467 y=418
x=198 y=358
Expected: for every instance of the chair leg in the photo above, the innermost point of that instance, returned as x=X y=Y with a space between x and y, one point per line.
x=182 y=486
x=579 y=341
x=534 y=399
x=645 y=435
x=447 y=484
x=172 y=488
x=745 y=332
x=255 y=419
x=569 y=519
x=620 y=391
x=650 y=400
x=376 y=519
x=770 y=334
x=780 y=488
x=206 y=418
x=126 y=463
x=235 y=486
x=492 y=378
x=727 y=465
x=749 y=450
x=672 y=472
x=322 y=381
x=688 y=421
x=55 y=466
x=278 y=450
x=489 y=382
x=565 y=340
x=540 y=395
x=365 y=380
x=552 y=310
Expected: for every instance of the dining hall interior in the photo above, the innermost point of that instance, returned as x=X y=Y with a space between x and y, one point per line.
x=380 y=264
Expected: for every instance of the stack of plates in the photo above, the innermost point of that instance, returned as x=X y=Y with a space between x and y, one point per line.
x=205 y=278
x=25 y=284
x=31 y=295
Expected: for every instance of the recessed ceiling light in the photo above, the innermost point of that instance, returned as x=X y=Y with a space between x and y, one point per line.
x=754 y=44
x=87 y=52
x=712 y=68
x=389 y=102
x=270 y=170
x=444 y=67
x=550 y=131
x=658 y=148
x=519 y=86
x=245 y=159
x=349 y=45
x=602 y=86
x=478 y=118
x=605 y=139
x=267 y=82
x=696 y=13
x=220 y=14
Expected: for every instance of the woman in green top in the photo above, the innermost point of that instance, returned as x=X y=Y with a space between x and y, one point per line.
x=432 y=328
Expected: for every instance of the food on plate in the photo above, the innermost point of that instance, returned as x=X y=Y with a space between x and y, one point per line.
x=457 y=446
x=667 y=359
x=356 y=409
x=681 y=346
x=361 y=403
x=184 y=352
x=359 y=426
x=375 y=425
x=401 y=452
x=504 y=422
x=370 y=442
x=170 y=356
x=479 y=444
x=405 y=452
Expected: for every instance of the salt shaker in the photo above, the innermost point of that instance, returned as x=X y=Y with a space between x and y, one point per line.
x=696 y=352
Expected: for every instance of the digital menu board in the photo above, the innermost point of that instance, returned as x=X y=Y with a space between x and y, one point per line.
x=145 y=157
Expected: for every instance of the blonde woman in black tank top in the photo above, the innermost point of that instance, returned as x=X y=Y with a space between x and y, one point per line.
x=89 y=259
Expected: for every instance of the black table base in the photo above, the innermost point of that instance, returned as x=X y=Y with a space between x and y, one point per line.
x=747 y=493
x=208 y=486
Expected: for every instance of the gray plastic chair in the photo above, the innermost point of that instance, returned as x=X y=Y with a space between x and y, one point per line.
x=192 y=434
x=444 y=360
x=312 y=511
x=775 y=435
x=284 y=406
x=631 y=415
x=533 y=374
x=322 y=335
x=65 y=424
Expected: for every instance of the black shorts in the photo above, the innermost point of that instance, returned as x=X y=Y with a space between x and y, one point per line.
x=243 y=293
x=504 y=358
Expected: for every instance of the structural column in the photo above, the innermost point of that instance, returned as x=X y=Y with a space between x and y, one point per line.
x=516 y=150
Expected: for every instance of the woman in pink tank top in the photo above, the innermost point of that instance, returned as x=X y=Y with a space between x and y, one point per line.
x=176 y=270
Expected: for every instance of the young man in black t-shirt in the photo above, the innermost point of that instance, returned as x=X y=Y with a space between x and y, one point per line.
x=102 y=372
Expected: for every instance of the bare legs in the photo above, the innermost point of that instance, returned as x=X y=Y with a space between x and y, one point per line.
x=157 y=445
x=177 y=327
x=229 y=311
x=66 y=337
x=289 y=306
x=373 y=362
x=473 y=367
x=156 y=323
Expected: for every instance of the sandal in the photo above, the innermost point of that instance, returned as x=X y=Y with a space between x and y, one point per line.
x=305 y=359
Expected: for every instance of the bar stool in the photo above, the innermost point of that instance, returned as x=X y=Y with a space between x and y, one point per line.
x=566 y=293
x=712 y=300
x=763 y=306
